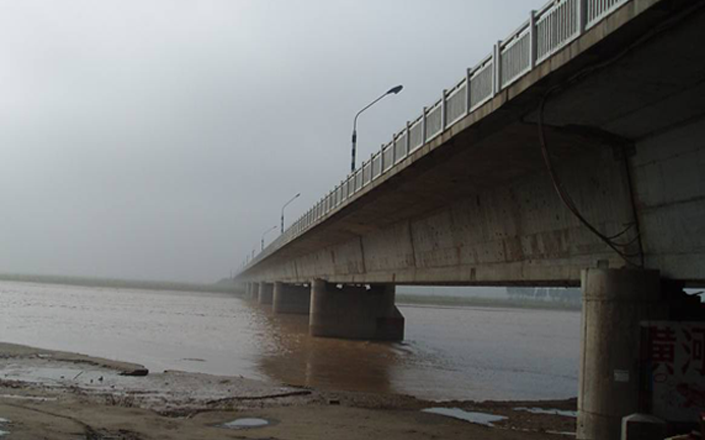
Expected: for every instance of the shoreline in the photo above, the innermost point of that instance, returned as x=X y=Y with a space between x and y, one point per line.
x=68 y=395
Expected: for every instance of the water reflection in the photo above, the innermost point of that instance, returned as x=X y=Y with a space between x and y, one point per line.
x=452 y=353
x=296 y=358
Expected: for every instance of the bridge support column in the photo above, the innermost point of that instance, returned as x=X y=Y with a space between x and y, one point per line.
x=355 y=312
x=614 y=303
x=249 y=288
x=266 y=293
x=291 y=299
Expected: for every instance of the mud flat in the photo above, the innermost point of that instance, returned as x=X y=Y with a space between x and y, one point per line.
x=58 y=395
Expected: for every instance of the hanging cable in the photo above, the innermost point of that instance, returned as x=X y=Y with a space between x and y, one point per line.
x=558 y=184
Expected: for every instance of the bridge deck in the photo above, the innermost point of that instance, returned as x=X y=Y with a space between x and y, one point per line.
x=475 y=205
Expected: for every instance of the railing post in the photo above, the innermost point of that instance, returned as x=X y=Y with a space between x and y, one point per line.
x=394 y=148
x=423 y=126
x=582 y=16
x=408 y=137
x=496 y=78
x=533 y=39
x=468 y=77
x=443 y=110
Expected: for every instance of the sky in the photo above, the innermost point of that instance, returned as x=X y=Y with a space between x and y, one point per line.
x=159 y=139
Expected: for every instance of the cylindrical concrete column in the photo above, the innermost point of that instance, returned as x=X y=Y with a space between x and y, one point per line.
x=291 y=299
x=266 y=293
x=615 y=301
x=355 y=312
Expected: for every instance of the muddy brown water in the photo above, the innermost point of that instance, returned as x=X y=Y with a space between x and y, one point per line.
x=449 y=353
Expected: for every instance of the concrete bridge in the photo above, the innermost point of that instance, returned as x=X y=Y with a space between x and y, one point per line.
x=574 y=154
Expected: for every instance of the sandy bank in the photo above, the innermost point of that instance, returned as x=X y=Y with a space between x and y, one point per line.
x=57 y=395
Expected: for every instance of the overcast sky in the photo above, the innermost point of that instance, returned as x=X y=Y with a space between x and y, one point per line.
x=159 y=139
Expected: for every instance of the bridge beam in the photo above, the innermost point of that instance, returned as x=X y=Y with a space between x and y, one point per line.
x=266 y=293
x=615 y=301
x=355 y=312
x=291 y=299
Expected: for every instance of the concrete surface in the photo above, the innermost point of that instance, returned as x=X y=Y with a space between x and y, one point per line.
x=476 y=206
x=615 y=301
x=355 y=312
x=266 y=293
x=291 y=299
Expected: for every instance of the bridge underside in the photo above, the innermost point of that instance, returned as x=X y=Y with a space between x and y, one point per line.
x=624 y=126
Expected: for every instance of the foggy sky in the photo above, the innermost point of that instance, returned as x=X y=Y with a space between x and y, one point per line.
x=159 y=139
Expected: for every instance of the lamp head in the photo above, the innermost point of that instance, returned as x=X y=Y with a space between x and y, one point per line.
x=395 y=90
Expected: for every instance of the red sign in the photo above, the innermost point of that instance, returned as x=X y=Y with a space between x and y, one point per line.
x=674 y=356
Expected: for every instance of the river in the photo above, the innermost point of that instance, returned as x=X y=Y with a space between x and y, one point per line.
x=458 y=353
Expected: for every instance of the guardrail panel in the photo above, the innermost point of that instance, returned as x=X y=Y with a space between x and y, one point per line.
x=456 y=105
x=481 y=84
x=400 y=147
x=516 y=57
x=556 y=26
x=416 y=135
x=377 y=165
x=388 y=156
x=433 y=121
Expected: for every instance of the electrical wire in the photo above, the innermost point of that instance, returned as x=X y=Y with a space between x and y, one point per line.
x=555 y=179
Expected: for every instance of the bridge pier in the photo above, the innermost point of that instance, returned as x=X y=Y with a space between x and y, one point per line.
x=266 y=293
x=291 y=299
x=355 y=312
x=615 y=301
x=250 y=292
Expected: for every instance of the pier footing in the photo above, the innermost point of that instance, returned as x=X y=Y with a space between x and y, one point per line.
x=355 y=312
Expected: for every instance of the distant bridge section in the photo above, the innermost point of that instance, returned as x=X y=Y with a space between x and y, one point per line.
x=463 y=195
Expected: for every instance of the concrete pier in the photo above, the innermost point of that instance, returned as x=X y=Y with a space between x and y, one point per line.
x=615 y=301
x=266 y=293
x=355 y=312
x=291 y=299
x=251 y=291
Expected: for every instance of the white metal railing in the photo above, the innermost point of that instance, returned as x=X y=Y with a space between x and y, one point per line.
x=388 y=156
x=416 y=135
x=481 y=82
x=515 y=53
x=377 y=165
x=546 y=31
x=596 y=10
x=400 y=149
x=456 y=103
x=556 y=27
x=434 y=121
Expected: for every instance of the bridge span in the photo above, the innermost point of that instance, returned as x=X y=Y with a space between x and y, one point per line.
x=573 y=154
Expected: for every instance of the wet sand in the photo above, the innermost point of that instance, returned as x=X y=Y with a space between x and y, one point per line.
x=59 y=395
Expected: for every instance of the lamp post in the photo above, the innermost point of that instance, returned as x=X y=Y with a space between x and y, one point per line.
x=394 y=91
x=265 y=233
x=285 y=205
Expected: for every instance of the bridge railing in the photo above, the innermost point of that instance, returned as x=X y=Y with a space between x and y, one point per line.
x=544 y=33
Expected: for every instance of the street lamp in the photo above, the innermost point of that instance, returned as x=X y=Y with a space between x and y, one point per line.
x=267 y=232
x=394 y=91
x=285 y=205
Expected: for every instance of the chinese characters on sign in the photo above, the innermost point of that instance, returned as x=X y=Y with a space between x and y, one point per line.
x=674 y=359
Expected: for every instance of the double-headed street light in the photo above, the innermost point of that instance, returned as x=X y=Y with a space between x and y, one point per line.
x=265 y=233
x=392 y=91
x=285 y=205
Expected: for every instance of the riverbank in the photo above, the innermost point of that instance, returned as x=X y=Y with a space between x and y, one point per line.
x=221 y=287
x=59 y=395
x=470 y=301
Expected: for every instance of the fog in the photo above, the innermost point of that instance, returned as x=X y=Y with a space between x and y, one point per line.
x=159 y=139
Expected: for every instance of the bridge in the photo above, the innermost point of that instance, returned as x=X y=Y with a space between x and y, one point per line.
x=572 y=154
